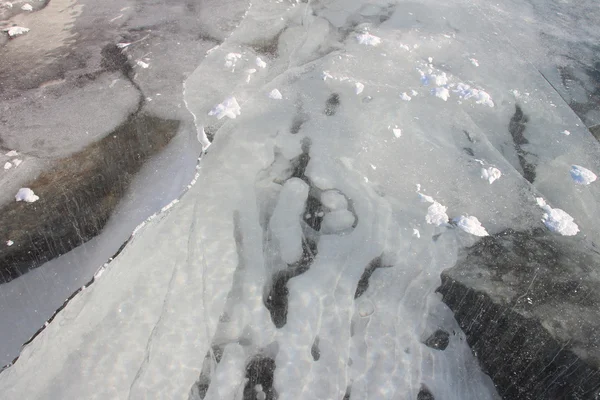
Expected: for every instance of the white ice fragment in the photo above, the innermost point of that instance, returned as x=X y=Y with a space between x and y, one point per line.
x=442 y=93
x=8 y=165
x=9 y=243
x=337 y=221
x=405 y=97
x=440 y=80
x=414 y=92
x=474 y=62
x=275 y=94
x=368 y=40
x=122 y=45
x=481 y=97
x=425 y=199
x=27 y=7
x=557 y=220
x=416 y=233
x=142 y=64
x=580 y=175
x=430 y=59
x=12 y=153
x=566 y=132
x=470 y=225
x=260 y=63
x=202 y=138
x=334 y=200
x=26 y=195
x=490 y=174
x=358 y=87
x=397 y=132
x=228 y=108
x=231 y=59
x=436 y=214
x=285 y=224
x=16 y=31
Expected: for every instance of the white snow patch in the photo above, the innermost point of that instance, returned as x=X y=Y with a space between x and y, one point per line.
x=470 y=225
x=228 y=108
x=580 y=175
x=490 y=174
x=142 y=64
x=358 y=87
x=9 y=243
x=405 y=97
x=260 y=63
x=12 y=153
x=566 y=132
x=26 y=195
x=8 y=165
x=442 y=93
x=474 y=62
x=231 y=59
x=557 y=220
x=436 y=214
x=440 y=80
x=16 y=31
x=481 y=97
x=334 y=200
x=275 y=94
x=27 y=7
x=122 y=45
x=416 y=233
x=368 y=40
x=202 y=138
x=337 y=221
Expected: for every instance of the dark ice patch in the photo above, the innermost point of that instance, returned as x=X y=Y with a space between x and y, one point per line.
x=332 y=104
x=438 y=340
x=363 y=283
x=313 y=212
x=315 y=352
x=425 y=394
x=260 y=371
x=516 y=127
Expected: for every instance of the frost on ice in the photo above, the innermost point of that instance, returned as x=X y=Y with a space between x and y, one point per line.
x=582 y=176
x=470 y=225
x=557 y=220
x=368 y=40
x=275 y=94
x=228 y=108
x=26 y=195
x=490 y=174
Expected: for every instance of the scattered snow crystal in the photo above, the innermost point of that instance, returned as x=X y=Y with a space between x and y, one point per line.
x=368 y=40
x=580 y=175
x=231 y=59
x=470 y=225
x=275 y=94
x=26 y=195
x=490 y=174
x=228 y=108
x=557 y=220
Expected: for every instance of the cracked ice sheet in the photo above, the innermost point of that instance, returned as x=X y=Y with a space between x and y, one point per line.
x=144 y=328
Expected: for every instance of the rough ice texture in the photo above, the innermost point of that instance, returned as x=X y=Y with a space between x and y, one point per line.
x=490 y=174
x=368 y=40
x=582 y=176
x=228 y=108
x=470 y=224
x=557 y=220
x=26 y=195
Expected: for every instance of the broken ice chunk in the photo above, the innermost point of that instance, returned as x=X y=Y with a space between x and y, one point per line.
x=9 y=243
x=580 y=175
x=470 y=225
x=474 y=62
x=122 y=45
x=337 y=221
x=441 y=79
x=142 y=64
x=359 y=87
x=436 y=214
x=17 y=162
x=405 y=97
x=228 y=108
x=557 y=220
x=231 y=59
x=16 y=31
x=8 y=165
x=397 y=132
x=275 y=94
x=368 y=40
x=566 y=132
x=260 y=63
x=490 y=174
x=12 y=153
x=442 y=93
x=416 y=233
x=26 y=7
x=334 y=200
x=26 y=195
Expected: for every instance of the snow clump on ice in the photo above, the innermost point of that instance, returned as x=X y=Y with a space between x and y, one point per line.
x=582 y=176
x=26 y=195
x=470 y=225
x=557 y=220
x=490 y=174
x=368 y=40
x=228 y=108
